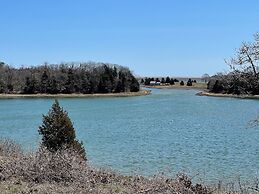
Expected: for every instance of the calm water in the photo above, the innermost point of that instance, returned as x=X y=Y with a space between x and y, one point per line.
x=168 y=131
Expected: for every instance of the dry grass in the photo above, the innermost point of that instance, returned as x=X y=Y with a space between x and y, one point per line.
x=65 y=172
x=198 y=86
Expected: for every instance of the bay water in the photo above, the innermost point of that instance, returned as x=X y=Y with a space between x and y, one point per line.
x=169 y=131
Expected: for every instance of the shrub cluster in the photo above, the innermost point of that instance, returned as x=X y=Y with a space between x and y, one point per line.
x=244 y=76
x=236 y=82
x=65 y=172
x=167 y=80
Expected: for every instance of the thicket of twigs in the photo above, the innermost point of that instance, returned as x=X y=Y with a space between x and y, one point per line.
x=66 y=172
x=244 y=75
x=236 y=82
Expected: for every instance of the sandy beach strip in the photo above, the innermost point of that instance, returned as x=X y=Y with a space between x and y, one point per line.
x=75 y=95
x=205 y=93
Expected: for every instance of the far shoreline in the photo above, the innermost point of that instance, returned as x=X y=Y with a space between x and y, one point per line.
x=77 y=95
x=210 y=94
x=195 y=86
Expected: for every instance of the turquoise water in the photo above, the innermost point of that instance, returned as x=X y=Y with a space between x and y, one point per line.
x=168 y=131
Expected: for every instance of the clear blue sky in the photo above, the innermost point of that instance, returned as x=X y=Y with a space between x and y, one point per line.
x=151 y=37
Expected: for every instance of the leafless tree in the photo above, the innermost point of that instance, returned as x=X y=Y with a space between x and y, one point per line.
x=256 y=47
x=247 y=55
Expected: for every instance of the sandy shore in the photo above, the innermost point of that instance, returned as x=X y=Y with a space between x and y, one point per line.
x=122 y=94
x=205 y=93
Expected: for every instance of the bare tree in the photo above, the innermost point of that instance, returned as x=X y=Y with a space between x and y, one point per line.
x=256 y=47
x=247 y=55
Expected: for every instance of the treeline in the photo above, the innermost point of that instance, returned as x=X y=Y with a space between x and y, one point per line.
x=235 y=82
x=243 y=77
x=165 y=81
x=85 y=78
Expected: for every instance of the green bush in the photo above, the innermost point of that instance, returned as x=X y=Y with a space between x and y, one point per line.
x=189 y=82
x=58 y=132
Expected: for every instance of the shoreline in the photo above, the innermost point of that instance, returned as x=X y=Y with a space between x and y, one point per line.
x=75 y=95
x=205 y=93
x=178 y=87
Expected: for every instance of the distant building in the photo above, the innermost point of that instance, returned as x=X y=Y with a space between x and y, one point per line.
x=155 y=83
x=152 y=83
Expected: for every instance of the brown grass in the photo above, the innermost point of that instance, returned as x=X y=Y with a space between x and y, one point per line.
x=200 y=86
x=65 y=172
